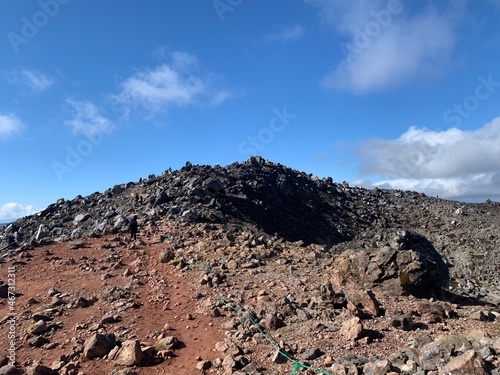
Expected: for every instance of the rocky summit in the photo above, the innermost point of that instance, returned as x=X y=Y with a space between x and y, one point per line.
x=252 y=268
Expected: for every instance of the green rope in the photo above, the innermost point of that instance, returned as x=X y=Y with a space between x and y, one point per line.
x=297 y=366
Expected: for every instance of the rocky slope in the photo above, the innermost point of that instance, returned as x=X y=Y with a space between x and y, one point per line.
x=300 y=273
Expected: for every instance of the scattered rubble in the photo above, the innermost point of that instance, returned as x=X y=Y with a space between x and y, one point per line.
x=258 y=269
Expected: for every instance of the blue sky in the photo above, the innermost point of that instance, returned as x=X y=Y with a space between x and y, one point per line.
x=398 y=94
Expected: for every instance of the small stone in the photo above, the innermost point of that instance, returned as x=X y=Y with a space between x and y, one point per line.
x=37 y=341
x=98 y=345
x=39 y=369
x=38 y=316
x=278 y=357
x=108 y=318
x=39 y=328
x=352 y=329
x=203 y=365
x=312 y=354
x=82 y=302
x=127 y=272
x=130 y=354
x=167 y=256
x=379 y=367
x=168 y=343
x=469 y=363
x=273 y=321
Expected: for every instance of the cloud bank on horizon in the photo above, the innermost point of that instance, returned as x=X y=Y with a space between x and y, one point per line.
x=12 y=211
x=452 y=163
x=386 y=48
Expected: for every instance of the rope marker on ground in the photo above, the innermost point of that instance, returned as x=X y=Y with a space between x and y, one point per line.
x=297 y=366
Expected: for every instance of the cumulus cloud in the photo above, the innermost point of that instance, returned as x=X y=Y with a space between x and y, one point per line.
x=286 y=34
x=34 y=80
x=452 y=163
x=179 y=83
x=476 y=188
x=10 y=125
x=87 y=119
x=12 y=211
x=384 y=45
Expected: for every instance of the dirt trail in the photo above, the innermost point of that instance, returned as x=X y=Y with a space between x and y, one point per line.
x=163 y=295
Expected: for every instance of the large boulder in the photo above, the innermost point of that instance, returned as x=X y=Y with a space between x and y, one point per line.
x=410 y=265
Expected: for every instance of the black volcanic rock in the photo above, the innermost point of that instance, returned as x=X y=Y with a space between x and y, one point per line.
x=266 y=198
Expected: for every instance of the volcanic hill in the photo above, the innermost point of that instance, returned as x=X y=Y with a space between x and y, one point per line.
x=252 y=268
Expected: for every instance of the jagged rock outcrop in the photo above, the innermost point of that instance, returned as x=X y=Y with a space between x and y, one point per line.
x=410 y=265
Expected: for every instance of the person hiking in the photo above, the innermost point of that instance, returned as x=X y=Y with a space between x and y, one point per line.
x=132 y=227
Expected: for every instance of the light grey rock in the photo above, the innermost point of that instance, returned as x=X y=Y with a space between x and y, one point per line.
x=98 y=345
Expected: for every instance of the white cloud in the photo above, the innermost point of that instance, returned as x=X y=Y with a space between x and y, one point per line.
x=87 y=120
x=160 y=87
x=12 y=211
x=385 y=46
x=452 y=163
x=10 y=125
x=36 y=81
x=286 y=34
x=184 y=62
x=475 y=187
x=220 y=96
x=176 y=84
